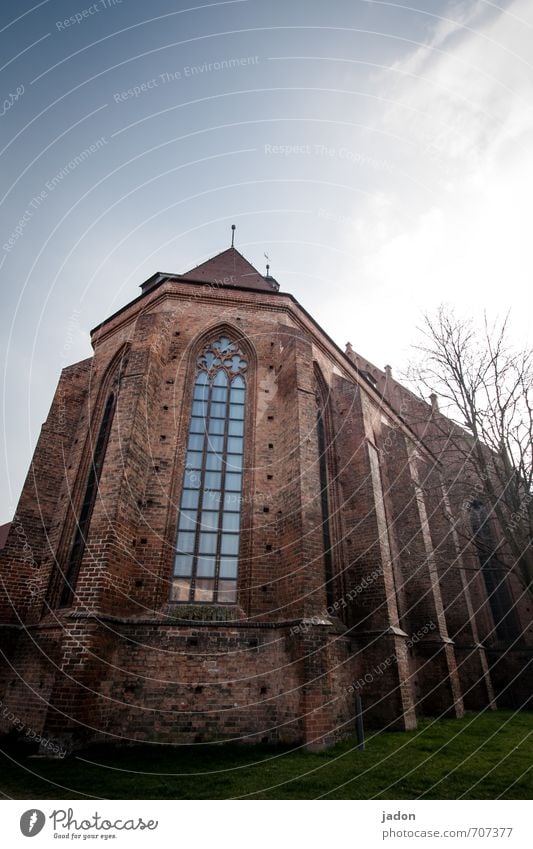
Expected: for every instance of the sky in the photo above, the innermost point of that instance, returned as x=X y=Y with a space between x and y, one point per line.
x=379 y=153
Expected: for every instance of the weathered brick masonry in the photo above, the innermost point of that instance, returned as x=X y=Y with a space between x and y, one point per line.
x=352 y=576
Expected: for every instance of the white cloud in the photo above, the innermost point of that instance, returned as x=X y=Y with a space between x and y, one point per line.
x=454 y=224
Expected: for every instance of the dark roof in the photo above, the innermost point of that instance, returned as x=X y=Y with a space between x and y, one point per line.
x=228 y=269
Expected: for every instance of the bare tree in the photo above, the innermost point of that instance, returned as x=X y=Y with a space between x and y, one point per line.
x=485 y=387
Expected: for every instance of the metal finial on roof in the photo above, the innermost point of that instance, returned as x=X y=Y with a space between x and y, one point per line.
x=232 y=234
x=266 y=256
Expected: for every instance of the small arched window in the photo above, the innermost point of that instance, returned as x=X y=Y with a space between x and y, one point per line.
x=324 y=490
x=207 y=544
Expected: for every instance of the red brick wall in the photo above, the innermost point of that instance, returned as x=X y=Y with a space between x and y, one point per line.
x=283 y=665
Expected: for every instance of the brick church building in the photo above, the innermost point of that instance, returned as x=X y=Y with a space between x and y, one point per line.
x=231 y=528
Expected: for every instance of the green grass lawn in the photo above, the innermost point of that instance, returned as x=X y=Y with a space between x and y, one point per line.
x=483 y=756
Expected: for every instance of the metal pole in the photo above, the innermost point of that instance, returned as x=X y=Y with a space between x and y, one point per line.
x=360 y=731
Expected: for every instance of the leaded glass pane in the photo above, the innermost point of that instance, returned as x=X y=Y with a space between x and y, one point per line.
x=196 y=442
x=227 y=592
x=194 y=460
x=207 y=543
x=228 y=567
x=209 y=520
x=232 y=502
x=229 y=544
x=211 y=500
x=236 y=411
x=201 y=393
x=213 y=480
x=185 y=541
x=199 y=408
x=215 y=444
x=216 y=426
x=233 y=482
x=221 y=378
x=183 y=564
x=235 y=428
x=192 y=479
x=189 y=498
x=204 y=590
x=236 y=363
x=236 y=396
x=234 y=462
x=218 y=411
x=224 y=345
x=187 y=520
x=181 y=588
x=219 y=393
x=206 y=566
x=231 y=521
x=213 y=462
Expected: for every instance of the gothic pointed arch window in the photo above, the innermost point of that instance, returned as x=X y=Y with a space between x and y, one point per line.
x=86 y=510
x=208 y=536
x=65 y=574
x=324 y=445
x=493 y=571
x=64 y=578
